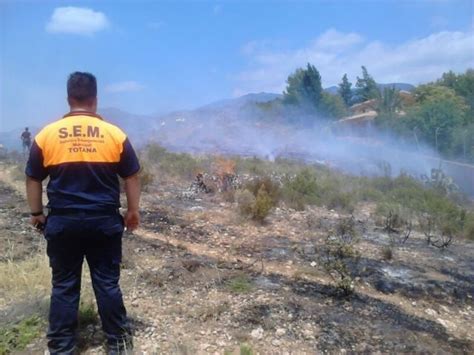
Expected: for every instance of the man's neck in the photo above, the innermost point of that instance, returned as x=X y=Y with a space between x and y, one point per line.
x=82 y=109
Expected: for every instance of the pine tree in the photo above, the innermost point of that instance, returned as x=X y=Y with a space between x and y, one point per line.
x=304 y=87
x=366 y=87
x=345 y=90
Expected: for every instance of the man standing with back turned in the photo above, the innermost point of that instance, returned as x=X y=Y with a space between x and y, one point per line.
x=83 y=157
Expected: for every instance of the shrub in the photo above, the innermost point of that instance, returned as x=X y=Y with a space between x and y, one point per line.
x=180 y=164
x=146 y=177
x=301 y=190
x=263 y=205
x=155 y=153
x=245 y=202
x=256 y=207
x=345 y=229
x=268 y=185
x=339 y=256
x=437 y=232
x=394 y=215
x=368 y=193
x=341 y=200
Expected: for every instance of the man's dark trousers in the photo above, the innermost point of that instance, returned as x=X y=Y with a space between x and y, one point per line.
x=72 y=235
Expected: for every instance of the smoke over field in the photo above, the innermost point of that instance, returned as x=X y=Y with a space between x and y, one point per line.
x=242 y=127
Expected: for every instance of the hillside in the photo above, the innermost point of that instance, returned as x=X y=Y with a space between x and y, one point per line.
x=200 y=277
x=244 y=127
x=399 y=86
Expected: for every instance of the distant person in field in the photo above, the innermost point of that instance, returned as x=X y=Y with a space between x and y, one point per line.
x=26 y=140
x=84 y=156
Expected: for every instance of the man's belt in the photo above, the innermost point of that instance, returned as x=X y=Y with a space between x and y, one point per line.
x=82 y=211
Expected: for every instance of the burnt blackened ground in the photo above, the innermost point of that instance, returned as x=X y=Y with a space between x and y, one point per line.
x=197 y=278
x=406 y=304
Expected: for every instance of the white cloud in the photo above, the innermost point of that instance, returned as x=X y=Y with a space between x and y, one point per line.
x=76 y=20
x=124 y=86
x=337 y=41
x=335 y=53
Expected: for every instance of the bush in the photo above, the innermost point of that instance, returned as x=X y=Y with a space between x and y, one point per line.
x=301 y=190
x=178 y=164
x=405 y=196
x=394 y=215
x=342 y=201
x=146 y=177
x=339 y=256
x=268 y=185
x=263 y=205
x=256 y=207
x=245 y=202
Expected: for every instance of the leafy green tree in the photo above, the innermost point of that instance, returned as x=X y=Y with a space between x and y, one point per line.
x=387 y=106
x=462 y=84
x=345 y=90
x=388 y=101
x=366 y=87
x=463 y=142
x=433 y=92
x=435 y=121
x=332 y=106
x=304 y=87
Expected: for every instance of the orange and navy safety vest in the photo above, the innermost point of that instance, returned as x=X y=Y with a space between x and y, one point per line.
x=83 y=156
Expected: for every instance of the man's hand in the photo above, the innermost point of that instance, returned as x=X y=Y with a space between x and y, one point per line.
x=132 y=220
x=38 y=221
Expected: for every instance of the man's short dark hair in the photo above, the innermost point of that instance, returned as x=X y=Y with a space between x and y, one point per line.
x=81 y=87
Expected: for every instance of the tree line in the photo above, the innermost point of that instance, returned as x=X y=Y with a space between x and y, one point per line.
x=439 y=114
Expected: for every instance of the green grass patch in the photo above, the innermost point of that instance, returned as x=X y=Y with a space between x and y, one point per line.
x=240 y=284
x=245 y=349
x=18 y=336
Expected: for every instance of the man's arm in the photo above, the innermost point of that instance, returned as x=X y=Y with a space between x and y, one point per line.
x=132 y=190
x=34 y=194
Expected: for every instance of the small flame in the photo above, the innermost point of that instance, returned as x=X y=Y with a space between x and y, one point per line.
x=224 y=166
x=225 y=172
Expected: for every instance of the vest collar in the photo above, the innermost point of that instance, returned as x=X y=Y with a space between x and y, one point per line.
x=83 y=113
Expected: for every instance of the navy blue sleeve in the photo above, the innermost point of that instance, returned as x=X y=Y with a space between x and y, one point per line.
x=128 y=164
x=34 y=167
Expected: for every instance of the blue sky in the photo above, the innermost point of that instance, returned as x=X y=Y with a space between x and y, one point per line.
x=153 y=57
